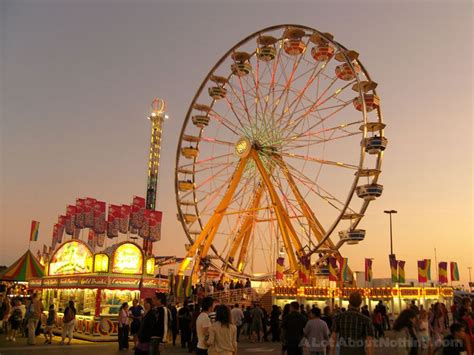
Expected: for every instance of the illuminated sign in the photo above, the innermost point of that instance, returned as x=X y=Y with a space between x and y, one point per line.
x=316 y=292
x=446 y=292
x=34 y=283
x=123 y=282
x=101 y=263
x=346 y=292
x=150 y=266
x=410 y=292
x=283 y=290
x=128 y=259
x=50 y=282
x=380 y=292
x=69 y=281
x=71 y=258
x=154 y=283
x=93 y=281
x=431 y=292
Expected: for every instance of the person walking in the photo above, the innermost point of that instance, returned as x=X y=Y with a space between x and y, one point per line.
x=174 y=322
x=293 y=325
x=316 y=333
x=203 y=323
x=327 y=316
x=275 y=323
x=161 y=325
x=123 y=327
x=195 y=312
x=50 y=323
x=437 y=324
x=184 y=322
x=237 y=318
x=454 y=343
x=147 y=325
x=5 y=309
x=136 y=313
x=423 y=331
x=256 y=326
x=69 y=320
x=15 y=320
x=378 y=323
x=284 y=315
x=404 y=333
x=33 y=319
x=352 y=331
x=222 y=334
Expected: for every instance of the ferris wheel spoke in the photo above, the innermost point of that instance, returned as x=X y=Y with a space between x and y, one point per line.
x=256 y=84
x=243 y=104
x=315 y=187
x=309 y=134
x=225 y=122
x=321 y=161
x=320 y=141
x=320 y=119
x=217 y=141
x=301 y=94
x=271 y=87
x=320 y=101
x=286 y=87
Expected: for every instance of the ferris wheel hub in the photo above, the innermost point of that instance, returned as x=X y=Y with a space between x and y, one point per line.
x=243 y=147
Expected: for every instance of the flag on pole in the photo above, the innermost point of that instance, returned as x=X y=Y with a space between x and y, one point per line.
x=422 y=277
x=401 y=271
x=393 y=267
x=428 y=269
x=91 y=239
x=368 y=270
x=333 y=270
x=70 y=219
x=280 y=268
x=54 y=238
x=454 y=271
x=443 y=272
x=304 y=268
x=34 y=231
x=343 y=269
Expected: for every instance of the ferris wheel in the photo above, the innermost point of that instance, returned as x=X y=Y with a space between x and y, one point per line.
x=279 y=154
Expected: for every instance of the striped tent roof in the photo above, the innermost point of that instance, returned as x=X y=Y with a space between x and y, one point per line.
x=24 y=269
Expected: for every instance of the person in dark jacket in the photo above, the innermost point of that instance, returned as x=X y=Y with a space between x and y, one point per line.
x=146 y=329
x=174 y=322
x=453 y=344
x=293 y=326
x=275 y=323
x=184 y=322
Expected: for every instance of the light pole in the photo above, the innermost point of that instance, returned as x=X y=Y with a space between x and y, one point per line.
x=390 y=212
x=470 y=282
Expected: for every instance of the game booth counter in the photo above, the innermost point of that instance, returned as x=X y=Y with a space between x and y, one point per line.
x=98 y=284
x=396 y=298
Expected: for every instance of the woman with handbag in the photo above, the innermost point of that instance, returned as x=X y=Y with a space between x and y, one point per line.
x=69 y=321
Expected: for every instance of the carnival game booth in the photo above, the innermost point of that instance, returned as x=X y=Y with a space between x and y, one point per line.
x=98 y=284
x=15 y=278
x=396 y=298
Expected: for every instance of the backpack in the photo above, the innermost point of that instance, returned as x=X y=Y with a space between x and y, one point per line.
x=68 y=315
x=16 y=315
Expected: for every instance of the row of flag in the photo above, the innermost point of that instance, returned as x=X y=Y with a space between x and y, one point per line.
x=339 y=270
x=91 y=213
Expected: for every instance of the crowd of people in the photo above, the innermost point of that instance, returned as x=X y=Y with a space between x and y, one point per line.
x=26 y=317
x=211 y=328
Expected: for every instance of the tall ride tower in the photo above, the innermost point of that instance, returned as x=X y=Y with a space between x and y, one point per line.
x=157 y=116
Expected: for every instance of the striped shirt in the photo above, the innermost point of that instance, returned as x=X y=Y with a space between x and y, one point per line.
x=352 y=329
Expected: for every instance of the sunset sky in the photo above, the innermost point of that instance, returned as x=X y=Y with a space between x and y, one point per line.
x=78 y=78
